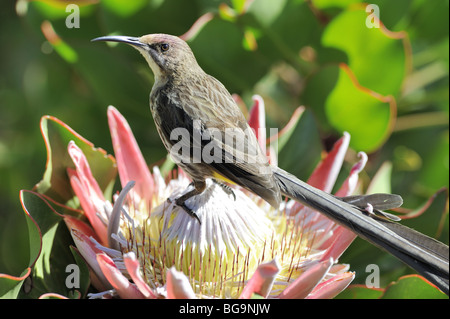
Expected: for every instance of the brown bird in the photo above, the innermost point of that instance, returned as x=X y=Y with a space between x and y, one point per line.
x=208 y=137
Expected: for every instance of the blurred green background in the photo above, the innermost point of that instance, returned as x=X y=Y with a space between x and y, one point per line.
x=389 y=89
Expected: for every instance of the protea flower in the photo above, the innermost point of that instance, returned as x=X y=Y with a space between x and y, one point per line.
x=142 y=246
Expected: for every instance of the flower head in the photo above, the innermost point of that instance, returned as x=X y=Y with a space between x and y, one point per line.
x=143 y=246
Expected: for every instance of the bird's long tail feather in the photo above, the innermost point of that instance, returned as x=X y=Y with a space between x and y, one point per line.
x=427 y=256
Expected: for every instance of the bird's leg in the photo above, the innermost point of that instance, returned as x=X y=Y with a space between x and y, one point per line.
x=227 y=189
x=199 y=187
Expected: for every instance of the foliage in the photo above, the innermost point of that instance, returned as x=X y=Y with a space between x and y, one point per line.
x=387 y=87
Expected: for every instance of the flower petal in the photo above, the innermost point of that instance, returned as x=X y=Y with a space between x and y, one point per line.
x=89 y=252
x=343 y=237
x=349 y=185
x=80 y=226
x=325 y=174
x=290 y=126
x=262 y=280
x=178 y=286
x=88 y=206
x=121 y=284
x=133 y=268
x=83 y=169
x=257 y=120
x=87 y=190
x=307 y=281
x=332 y=287
x=130 y=161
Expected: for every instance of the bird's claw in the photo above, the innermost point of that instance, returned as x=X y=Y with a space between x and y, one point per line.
x=189 y=211
x=227 y=189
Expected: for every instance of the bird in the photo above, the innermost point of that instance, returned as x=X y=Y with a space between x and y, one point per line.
x=207 y=135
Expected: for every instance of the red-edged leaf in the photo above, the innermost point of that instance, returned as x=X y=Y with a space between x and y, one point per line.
x=55 y=182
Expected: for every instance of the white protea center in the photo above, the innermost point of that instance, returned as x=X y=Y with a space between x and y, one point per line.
x=219 y=255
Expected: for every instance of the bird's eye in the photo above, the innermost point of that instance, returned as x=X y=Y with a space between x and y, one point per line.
x=164 y=47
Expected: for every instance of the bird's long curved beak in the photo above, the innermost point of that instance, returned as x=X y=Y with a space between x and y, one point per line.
x=120 y=38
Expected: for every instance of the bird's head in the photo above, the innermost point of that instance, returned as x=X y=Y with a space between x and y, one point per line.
x=168 y=56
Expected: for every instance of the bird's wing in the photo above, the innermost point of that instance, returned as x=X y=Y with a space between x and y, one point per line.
x=227 y=140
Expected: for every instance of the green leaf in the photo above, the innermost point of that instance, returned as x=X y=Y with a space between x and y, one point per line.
x=13 y=242
x=318 y=87
x=55 y=182
x=366 y=115
x=435 y=171
x=375 y=55
x=49 y=253
x=431 y=217
x=10 y=285
x=406 y=287
x=300 y=147
x=85 y=279
x=41 y=221
x=412 y=287
x=381 y=182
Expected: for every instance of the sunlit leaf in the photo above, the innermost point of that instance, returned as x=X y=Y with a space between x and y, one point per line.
x=381 y=181
x=379 y=58
x=412 y=287
x=366 y=115
x=407 y=287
